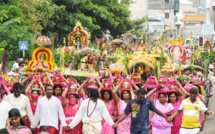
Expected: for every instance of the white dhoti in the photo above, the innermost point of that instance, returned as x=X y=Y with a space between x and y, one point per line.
x=189 y=131
x=92 y=127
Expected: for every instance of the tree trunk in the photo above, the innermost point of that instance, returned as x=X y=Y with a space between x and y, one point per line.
x=5 y=62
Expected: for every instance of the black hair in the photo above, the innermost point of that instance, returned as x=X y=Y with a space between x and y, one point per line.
x=56 y=86
x=176 y=94
x=35 y=91
x=94 y=93
x=162 y=93
x=141 y=91
x=109 y=92
x=138 y=85
x=1 y=93
x=17 y=86
x=48 y=85
x=15 y=113
x=118 y=94
x=76 y=95
x=4 y=131
x=148 y=90
x=193 y=91
x=127 y=92
x=104 y=77
x=21 y=63
x=198 y=88
x=144 y=76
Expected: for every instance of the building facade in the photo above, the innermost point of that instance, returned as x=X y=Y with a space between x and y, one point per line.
x=166 y=8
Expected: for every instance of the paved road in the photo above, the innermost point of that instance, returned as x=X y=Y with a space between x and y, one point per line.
x=209 y=127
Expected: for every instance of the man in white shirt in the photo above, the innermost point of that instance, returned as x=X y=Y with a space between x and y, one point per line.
x=22 y=103
x=16 y=66
x=48 y=111
x=91 y=112
x=5 y=107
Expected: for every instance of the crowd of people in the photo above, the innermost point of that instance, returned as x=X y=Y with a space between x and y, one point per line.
x=105 y=104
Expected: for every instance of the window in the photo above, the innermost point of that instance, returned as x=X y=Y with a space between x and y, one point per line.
x=167 y=1
x=166 y=15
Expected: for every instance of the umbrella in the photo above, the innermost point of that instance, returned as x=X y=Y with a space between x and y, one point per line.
x=43 y=41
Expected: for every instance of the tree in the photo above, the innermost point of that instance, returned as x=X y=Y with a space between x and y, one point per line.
x=13 y=28
x=138 y=26
x=19 y=21
x=95 y=16
x=37 y=13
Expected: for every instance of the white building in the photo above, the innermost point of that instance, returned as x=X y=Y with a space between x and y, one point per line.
x=139 y=9
x=190 y=18
x=165 y=10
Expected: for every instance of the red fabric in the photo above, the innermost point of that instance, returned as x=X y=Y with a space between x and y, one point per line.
x=27 y=121
x=37 y=131
x=51 y=130
x=175 y=130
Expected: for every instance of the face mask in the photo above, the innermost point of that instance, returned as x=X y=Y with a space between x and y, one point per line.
x=71 y=102
x=34 y=97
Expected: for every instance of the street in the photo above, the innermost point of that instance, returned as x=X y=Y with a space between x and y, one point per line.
x=210 y=120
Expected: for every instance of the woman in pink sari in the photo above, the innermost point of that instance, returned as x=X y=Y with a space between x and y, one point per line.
x=159 y=123
x=106 y=95
x=58 y=93
x=125 y=86
x=70 y=111
x=175 y=100
x=34 y=95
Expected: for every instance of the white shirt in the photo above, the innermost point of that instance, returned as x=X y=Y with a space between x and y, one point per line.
x=49 y=111
x=5 y=107
x=100 y=111
x=15 y=66
x=22 y=103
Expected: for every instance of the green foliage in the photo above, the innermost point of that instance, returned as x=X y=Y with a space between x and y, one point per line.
x=19 y=21
x=206 y=67
x=126 y=2
x=67 y=58
x=205 y=56
x=138 y=26
x=95 y=16
x=37 y=13
x=57 y=60
x=13 y=29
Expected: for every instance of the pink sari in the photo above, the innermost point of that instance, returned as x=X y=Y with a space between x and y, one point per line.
x=124 y=127
x=159 y=123
x=60 y=98
x=106 y=128
x=70 y=114
x=178 y=120
x=22 y=131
